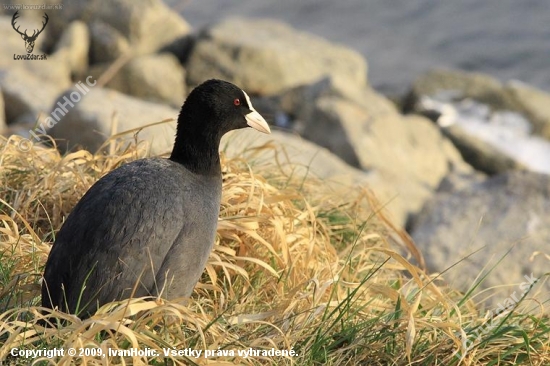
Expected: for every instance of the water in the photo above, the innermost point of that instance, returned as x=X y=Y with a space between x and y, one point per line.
x=508 y=39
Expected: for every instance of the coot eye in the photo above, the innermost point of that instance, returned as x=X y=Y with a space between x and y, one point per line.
x=237 y=102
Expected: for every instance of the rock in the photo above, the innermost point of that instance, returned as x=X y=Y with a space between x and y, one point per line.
x=509 y=212
x=107 y=43
x=26 y=96
x=57 y=70
x=496 y=127
x=480 y=154
x=157 y=78
x=336 y=124
x=148 y=25
x=265 y=57
x=456 y=181
x=297 y=157
x=480 y=87
x=366 y=97
x=74 y=46
x=533 y=103
x=515 y=96
x=333 y=114
x=90 y=122
x=408 y=153
x=492 y=141
x=413 y=157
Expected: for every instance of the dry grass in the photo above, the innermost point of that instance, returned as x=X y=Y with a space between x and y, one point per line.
x=294 y=268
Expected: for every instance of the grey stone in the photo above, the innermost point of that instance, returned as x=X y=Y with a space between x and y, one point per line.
x=480 y=154
x=496 y=127
x=533 y=103
x=408 y=154
x=158 y=78
x=148 y=25
x=27 y=98
x=459 y=180
x=492 y=141
x=297 y=157
x=334 y=115
x=481 y=87
x=301 y=161
x=107 y=43
x=91 y=121
x=265 y=57
x=74 y=46
x=506 y=219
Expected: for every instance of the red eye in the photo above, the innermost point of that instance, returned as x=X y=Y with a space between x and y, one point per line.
x=237 y=102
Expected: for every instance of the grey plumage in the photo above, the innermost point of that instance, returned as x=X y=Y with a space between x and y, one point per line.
x=143 y=209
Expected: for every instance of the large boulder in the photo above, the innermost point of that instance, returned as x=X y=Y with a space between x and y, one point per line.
x=27 y=97
x=106 y=43
x=533 y=103
x=478 y=153
x=266 y=56
x=73 y=47
x=157 y=78
x=408 y=153
x=496 y=127
x=504 y=219
x=491 y=140
x=480 y=87
x=297 y=157
x=100 y=112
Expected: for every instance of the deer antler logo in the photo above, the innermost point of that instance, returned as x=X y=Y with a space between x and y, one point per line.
x=29 y=40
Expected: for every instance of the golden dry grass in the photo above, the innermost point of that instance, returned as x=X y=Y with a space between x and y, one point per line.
x=294 y=267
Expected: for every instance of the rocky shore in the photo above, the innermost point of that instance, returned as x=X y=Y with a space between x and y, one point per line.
x=462 y=161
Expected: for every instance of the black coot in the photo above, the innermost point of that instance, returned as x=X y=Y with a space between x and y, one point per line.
x=147 y=228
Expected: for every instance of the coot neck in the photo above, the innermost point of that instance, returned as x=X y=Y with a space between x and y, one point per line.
x=198 y=151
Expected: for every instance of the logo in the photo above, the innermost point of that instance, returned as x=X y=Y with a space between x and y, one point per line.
x=29 y=40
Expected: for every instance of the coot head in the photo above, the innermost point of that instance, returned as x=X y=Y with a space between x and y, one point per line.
x=217 y=107
x=212 y=109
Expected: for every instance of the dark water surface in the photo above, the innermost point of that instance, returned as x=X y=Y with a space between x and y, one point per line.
x=509 y=39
